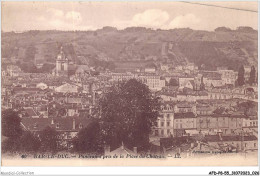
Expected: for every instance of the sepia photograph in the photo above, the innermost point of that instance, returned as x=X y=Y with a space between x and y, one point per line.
x=135 y=83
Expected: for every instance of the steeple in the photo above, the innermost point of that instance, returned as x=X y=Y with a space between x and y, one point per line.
x=62 y=63
x=61 y=55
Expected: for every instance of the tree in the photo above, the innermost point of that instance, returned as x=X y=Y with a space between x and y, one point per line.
x=49 y=138
x=241 y=76
x=10 y=145
x=252 y=78
x=249 y=107
x=173 y=82
x=29 y=143
x=128 y=111
x=223 y=29
x=46 y=68
x=219 y=110
x=56 y=111
x=28 y=67
x=11 y=124
x=88 y=139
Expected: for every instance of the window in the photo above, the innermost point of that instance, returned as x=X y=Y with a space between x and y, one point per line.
x=168 y=132
x=245 y=145
x=80 y=126
x=156 y=133
x=35 y=125
x=68 y=136
x=57 y=125
x=168 y=116
x=254 y=144
x=162 y=124
x=162 y=132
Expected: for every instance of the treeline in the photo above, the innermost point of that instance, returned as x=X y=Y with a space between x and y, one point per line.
x=102 y=64
x=31 y=68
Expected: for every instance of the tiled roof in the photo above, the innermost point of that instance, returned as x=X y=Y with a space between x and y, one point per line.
x=212 y=75
x=168 y=94
x=170 y=103
x=176 y=141
x=122 y=150
x=194 y=93
x=238 y=116
x=30 y=112
x=203 y=107
x=26 y=89
x=253 y=117
x=217 y=138
x=184 y=115
x=184 y=105
x=65 y=124
x=213 y=115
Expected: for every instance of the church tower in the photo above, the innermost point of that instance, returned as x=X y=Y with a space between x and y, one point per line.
x=62 y=64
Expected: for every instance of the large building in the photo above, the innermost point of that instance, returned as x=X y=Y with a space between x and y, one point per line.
x=164 y=125
x=62 y=64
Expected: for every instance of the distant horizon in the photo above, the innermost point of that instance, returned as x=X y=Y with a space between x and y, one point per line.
x=158 y=29
x=92 y=15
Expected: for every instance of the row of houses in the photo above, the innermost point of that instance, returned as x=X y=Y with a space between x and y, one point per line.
x=209 y=145
x=190 y=95
x=67 y=128
x=153 y=81
x=174 y=124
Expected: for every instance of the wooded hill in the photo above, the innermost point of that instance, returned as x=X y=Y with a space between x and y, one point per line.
x=222 y=47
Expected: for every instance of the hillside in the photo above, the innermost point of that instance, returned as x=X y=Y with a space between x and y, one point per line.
x=179 y=46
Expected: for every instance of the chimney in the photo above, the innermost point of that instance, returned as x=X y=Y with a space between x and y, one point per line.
x=66 y=99
x=179 y=150
x=199 y=145
x=93 y=97
x=135 y=150
x=90 y=110
x=164 y=150
x=192 y=145
x=242 y=141
x=220 y=136
x=73 y=124
x=106 y=149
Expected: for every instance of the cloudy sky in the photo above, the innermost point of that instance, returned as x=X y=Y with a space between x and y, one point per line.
x=21 y=16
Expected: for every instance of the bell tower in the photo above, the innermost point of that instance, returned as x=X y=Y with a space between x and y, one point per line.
x=62 y=64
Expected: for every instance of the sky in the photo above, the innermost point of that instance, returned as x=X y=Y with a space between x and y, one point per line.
x=23 y=16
